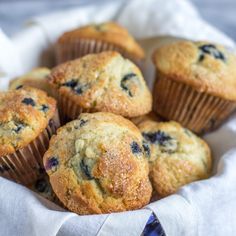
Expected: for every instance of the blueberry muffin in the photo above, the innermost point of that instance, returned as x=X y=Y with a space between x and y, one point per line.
x=152 y=116
x=195 y=84
x=28 y=118
x=35 y=78
x=97 y=164
x=95 y=38
x=100 y=82
x=177 y=156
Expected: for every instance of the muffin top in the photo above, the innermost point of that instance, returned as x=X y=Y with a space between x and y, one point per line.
x=205 y=66
x=104 y=82
x=35 y=78
x=177 y=156
x=100 y=166
x=27 y=79
x=171 y=139
x=150 y=116
x=24 y=114
x=109 y=32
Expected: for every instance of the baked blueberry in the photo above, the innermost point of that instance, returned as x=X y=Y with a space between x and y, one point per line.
x=201 y=57
x=79 y=90
x=44 y=108
x=136 y=149
x=125 y=83
x=52 y=163
x=211 y=50
x=28 y=101
x=166 y=142
x=146 y=148
x=41 y=185
x=19 y=87
x=82 y=122
x=18 y=128
x=71 y=84
x=85 y=169
x=75 y=86
x=157 y=137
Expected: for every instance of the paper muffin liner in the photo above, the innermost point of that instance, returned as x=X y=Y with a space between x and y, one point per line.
x=26 y=164
x=81 y=47
x=197 y=111
x=68 y=108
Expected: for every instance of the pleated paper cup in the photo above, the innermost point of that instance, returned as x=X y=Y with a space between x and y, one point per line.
x=68 y=108
x=81 y=47
x=197 y=111
x=26 y=164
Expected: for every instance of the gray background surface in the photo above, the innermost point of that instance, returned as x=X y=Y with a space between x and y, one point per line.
x=13 y=13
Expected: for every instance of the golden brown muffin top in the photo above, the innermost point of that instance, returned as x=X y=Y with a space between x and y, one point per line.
x=104 y=82
x=35 y=78
x=110 y=32
x=205 y=66
x=151 y=116
x=177 y=156
x=37 y=74
x=97 y=164
x=24 y=114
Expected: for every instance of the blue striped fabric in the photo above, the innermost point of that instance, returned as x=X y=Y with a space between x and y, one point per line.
x=153 y=227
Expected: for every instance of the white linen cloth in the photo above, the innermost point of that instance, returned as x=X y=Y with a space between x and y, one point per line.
x=202 y=208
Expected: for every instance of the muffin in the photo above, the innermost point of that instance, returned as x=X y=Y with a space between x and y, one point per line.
x=100 y=82
x=177 y=156
x=152 y=116
x=28 y=118
x=35 y=78
x=97 y=164
x=195 y=84
x=95 y=38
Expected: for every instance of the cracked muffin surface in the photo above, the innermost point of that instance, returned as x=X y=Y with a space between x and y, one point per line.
x=177 y=156
x=205 y=66
x=98 y=164
x=102 y=82
x=24 y=114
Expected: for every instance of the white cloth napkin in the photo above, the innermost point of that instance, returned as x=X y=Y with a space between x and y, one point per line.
x=202 y=208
